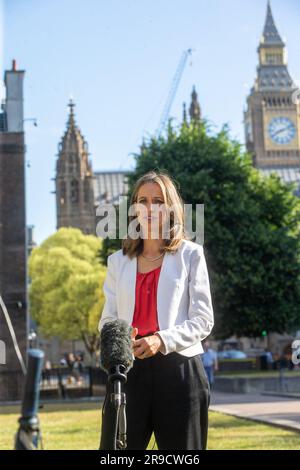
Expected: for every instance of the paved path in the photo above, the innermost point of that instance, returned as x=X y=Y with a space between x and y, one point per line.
x=279 y=411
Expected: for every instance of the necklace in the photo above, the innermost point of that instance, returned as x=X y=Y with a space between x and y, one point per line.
x=152 y=259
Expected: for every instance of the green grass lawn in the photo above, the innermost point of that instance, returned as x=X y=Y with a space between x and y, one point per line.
x=254 y=374
x=77 y=426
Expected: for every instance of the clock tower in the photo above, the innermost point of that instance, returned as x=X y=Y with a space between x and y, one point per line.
x=272 y=115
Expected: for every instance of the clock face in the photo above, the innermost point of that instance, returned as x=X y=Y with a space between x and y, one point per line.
x=282 y=130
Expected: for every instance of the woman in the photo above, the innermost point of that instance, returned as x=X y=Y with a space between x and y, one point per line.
x=160 y=286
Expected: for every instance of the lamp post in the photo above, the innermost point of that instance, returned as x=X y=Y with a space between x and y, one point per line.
x=29 y=332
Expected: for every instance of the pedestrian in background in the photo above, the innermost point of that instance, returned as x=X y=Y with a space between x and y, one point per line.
x=210 y=362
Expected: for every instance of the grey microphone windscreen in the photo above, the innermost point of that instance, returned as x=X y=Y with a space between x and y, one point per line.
x=116 y=345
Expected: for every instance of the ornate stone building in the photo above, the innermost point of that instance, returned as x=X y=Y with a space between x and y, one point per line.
x=12 y=230
x=74 y=180
x=78 y=190
x=272 y=115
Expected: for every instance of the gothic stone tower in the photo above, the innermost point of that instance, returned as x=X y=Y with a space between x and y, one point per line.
x=74 y=181
x=12 y=231
x=272 y=117
x=194 y=109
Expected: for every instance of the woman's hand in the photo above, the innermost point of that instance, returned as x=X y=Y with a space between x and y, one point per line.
x=147 y=346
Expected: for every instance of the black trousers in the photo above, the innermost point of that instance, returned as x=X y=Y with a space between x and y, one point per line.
x=165 y=394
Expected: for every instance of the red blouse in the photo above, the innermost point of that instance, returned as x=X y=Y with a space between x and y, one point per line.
x=145 y=312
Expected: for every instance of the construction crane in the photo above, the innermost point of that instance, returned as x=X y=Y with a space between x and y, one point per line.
x=172 y=92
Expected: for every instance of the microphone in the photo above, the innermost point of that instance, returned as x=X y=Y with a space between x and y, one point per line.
x=116 y=359
x=28 y=434
x=116 y=356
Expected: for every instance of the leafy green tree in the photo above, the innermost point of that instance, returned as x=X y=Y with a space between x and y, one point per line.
x=252 y=227
x=66 y=291
x=110 y=245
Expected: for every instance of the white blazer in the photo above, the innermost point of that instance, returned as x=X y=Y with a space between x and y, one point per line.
x=184 y=305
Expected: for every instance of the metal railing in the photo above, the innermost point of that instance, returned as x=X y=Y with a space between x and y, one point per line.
x=65 y=382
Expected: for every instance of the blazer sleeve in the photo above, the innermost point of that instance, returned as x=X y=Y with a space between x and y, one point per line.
x=109 y=311
x=200 y=312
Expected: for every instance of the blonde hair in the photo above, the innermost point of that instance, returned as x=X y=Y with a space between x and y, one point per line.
x=134 y=247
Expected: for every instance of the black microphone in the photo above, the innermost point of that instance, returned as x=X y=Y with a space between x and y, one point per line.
x=116 y=356
x=116 y=359
x=28 y=434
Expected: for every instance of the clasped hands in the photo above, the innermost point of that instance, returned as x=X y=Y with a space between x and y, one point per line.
x=145 y=347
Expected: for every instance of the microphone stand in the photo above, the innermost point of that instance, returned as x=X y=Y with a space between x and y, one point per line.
x=28 y=435
x=118 y=399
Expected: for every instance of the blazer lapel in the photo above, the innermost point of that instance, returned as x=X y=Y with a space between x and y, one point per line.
x=161 y=286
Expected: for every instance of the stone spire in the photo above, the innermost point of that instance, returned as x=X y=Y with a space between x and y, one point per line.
x=71 y=120
x=195 y=111
x=73 y=146
x=272 y=72
x=271 y=35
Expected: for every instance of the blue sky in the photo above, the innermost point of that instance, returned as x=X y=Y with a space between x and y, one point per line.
x=117 y=59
